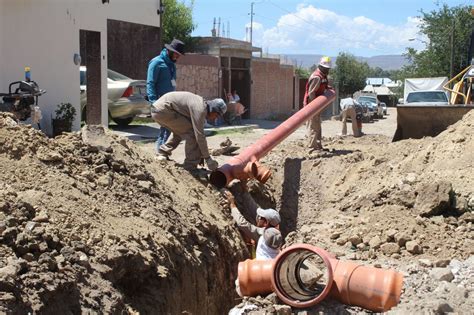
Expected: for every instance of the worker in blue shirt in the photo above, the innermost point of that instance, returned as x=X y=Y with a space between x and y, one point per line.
x=161 y=79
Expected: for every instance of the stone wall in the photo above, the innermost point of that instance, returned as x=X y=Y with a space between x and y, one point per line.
x=272 y=89
x=198 y=74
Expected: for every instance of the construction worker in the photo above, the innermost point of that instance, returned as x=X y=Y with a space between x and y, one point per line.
x=267 y=242
x=185 y=114
x=352 y=109
x=316 y=85
x=161 y=79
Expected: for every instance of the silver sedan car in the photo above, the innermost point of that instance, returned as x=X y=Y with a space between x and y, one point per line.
x=126 y=97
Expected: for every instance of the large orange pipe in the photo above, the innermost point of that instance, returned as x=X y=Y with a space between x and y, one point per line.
x=245 y=165
x=374 y=289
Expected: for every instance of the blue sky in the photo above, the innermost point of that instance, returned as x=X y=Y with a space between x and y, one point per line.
x=363 y=27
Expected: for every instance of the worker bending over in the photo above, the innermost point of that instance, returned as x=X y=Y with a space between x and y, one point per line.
x=185 y=114
x=352 y=109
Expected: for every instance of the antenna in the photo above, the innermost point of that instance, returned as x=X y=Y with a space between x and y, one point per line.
x=251 y=22
x=219 y=28
x=213 y=31
x=228 y=29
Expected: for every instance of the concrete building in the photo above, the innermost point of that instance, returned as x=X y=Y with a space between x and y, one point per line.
x=46 y=35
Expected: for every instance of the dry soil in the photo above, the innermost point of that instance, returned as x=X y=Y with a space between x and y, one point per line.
x=91 y=223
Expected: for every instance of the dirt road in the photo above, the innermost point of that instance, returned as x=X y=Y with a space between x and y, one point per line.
x=331 y=128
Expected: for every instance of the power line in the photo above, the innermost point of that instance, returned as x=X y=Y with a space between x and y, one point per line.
x=332 y=34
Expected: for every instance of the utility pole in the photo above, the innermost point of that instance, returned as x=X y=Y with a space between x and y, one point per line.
x=251 y=23
x=451 y=67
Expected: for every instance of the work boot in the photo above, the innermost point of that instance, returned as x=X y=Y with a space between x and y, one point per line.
x=162 y=157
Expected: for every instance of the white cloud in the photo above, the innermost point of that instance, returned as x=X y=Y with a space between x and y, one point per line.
x=313 y=30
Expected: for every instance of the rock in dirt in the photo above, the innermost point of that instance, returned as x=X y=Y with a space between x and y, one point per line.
x=414 y=248
x=433 y=198
x=442 y=274
x=425 y=262
x=442 y=263
x=375 y=242
x=390 y=248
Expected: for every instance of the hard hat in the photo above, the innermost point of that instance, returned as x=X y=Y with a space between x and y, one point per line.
x=217 y=105
x=325 y=62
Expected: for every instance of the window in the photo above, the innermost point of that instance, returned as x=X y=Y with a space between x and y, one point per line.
x=83 y=79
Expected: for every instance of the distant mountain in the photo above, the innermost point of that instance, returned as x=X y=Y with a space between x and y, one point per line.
x=386 y=62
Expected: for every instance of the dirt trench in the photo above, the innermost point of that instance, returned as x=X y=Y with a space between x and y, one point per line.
x=91 y=224
x=407 y=205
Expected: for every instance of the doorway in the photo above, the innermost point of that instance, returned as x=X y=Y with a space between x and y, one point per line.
x=240 y=81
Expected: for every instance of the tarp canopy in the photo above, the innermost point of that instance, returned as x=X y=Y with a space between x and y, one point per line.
x=423 y=84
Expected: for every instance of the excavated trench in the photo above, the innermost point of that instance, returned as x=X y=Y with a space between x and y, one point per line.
x=89 y=223
x=407 y=205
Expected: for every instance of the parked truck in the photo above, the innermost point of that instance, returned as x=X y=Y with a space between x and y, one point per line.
x=426 y=110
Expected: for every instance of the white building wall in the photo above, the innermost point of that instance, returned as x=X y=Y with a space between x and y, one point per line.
x=44 y=35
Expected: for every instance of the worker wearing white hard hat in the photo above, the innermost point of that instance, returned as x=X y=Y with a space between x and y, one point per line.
x=316 y=85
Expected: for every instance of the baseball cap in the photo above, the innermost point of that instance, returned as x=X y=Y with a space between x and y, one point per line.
x=271 y=215
x=217 y=105
x=272 y=237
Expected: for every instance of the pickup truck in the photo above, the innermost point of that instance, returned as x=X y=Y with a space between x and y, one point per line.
x=429 y=98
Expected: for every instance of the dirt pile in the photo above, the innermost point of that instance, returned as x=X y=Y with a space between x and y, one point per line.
x=89 y=223
x=406 y=205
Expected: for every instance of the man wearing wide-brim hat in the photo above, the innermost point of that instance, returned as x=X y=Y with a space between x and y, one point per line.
x=161 y=78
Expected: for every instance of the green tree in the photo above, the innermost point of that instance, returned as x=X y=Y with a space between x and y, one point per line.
x=349 y=74
x=178 y=21
x=302 y=73
x=437 y=26
x=378 y=72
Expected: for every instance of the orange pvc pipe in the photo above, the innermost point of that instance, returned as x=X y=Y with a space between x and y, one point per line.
x=254 y=277
x=374 y=289
x=245 y=165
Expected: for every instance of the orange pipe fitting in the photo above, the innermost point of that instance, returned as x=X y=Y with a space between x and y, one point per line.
x=372 y=288
x=245 y=165
x=254 y=275
x=303 y=275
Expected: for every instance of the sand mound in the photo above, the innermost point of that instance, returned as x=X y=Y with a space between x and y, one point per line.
x=89 y=223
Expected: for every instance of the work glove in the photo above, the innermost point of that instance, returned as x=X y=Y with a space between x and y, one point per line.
x=211 y=164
